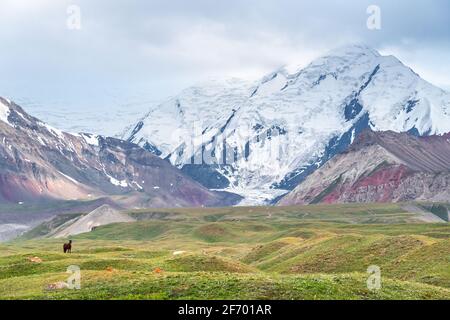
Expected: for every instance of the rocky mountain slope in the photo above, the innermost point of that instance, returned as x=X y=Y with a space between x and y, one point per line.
x=277 y=131
x=39 y=163
x=101 y=216
x=381 y=167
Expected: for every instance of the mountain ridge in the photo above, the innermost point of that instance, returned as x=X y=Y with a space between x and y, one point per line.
x=41 y=163
x=381 y=167
x=309 y=115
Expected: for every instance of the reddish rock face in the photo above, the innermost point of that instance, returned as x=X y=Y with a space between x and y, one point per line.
x=40 y=163
x=378 y=187
x=381 y=167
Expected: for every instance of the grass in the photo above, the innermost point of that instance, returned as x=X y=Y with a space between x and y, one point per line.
x=311 y=252
x=213 y=285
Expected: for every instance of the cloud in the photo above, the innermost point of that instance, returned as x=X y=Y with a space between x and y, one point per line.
x=155 y=48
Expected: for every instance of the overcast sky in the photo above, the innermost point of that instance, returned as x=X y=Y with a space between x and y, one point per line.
x=130 y=53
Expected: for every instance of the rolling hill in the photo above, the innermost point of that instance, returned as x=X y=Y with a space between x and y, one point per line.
x=298 y=252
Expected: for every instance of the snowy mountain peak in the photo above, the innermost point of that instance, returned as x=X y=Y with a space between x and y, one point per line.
x=4 y=110
x=355 y=49
x=283 y=127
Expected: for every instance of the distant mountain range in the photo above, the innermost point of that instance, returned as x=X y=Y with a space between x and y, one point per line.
x=352 y=126
x=39 y=163
x=288 y=124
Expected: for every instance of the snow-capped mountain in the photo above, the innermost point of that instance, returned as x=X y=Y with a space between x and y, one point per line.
x=279 y=130
x=39 y=163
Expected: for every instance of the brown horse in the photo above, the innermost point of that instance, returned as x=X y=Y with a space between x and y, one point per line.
x=68 y=247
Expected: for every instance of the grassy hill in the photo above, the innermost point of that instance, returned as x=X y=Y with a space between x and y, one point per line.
x=310 y=252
